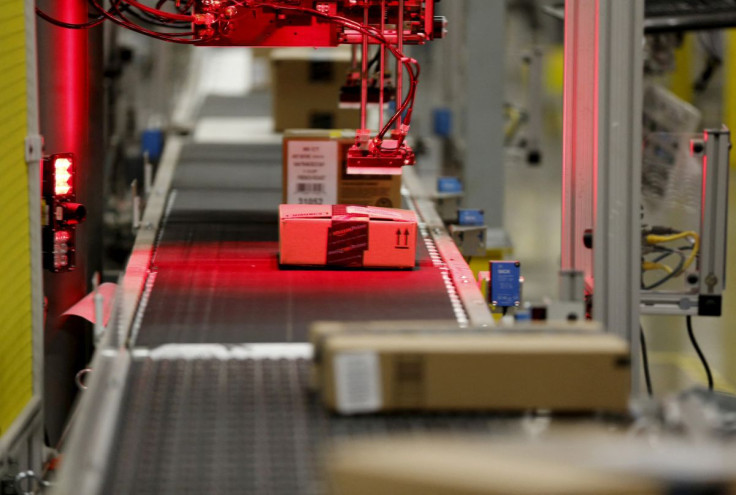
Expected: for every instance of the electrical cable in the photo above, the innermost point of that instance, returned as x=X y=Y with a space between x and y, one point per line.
x=147 y=18
x=658 y=239
x=142 y=16
x=171 y=37
x=375 y=59
x=160 y=13
x=672 y=272
x=156 y=20
x=706 y=366
x=182 y=9
x=684 y=263
x=411 y=65
x=645 y=361
x=652 y=265
x=67 y=25
x=156 y=16
x=120 y=8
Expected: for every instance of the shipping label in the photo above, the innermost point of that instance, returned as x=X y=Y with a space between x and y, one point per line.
x=312 y=168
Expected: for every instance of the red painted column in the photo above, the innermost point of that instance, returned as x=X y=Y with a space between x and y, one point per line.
x=71 y=120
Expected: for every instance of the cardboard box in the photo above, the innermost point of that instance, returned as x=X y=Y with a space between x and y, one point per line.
x=306 y=88
x=315 y=172
x=474 y=371
x=440 y=465
x=349 y=236
x=320 y=331
x=261 y=68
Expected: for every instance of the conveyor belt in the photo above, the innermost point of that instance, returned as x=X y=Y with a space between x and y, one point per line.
x=221 y=282
x=240 y=426
x=217 y=277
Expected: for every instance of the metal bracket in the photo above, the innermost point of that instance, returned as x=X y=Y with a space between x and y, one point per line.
x=663 y=303
x=34 y=148
x=705 y=298
x=714 y=222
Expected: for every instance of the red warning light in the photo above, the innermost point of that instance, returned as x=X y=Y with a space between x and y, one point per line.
x=62 y=176
x=62 y=236
x=61 y=212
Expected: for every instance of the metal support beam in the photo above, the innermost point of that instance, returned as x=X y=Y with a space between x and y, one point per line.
x=602 y=157
x=714 y=212
x=617 y=244
x=36 y=441
x=483 y=117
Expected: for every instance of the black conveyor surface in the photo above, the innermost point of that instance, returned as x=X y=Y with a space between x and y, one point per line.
x=206 y=426
x=217 y=278
x=219 y=282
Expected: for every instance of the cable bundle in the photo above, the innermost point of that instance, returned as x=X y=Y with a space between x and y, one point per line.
x=658 y=246
x=123 y=13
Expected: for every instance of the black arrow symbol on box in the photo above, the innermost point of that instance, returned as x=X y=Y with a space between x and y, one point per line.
x=406 y=237
x=398 y=237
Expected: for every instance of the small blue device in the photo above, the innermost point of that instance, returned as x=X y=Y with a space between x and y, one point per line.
x=442 y=120
x=505 y=283
x=152 y=142
x=523 y=315
x=470 y=217
x=449 y=185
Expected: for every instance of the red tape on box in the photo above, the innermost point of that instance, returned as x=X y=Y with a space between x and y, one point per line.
x=347 y=237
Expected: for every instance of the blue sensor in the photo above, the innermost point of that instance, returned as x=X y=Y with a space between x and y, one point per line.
x=442 y=120
x=449 y=185
x=470 y=217
x=505 y=283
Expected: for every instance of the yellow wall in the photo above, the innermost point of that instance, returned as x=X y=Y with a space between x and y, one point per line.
x=729 y=89
x=681 y=80
x=16 y=367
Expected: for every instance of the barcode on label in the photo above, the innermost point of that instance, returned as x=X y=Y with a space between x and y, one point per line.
x=310 y=187
x=357 y=382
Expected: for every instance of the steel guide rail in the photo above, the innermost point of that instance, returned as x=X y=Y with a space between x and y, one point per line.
x=92 y=436
x=460 y=275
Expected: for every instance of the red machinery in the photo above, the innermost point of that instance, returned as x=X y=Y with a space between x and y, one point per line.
x=387 y=24
x=309 y=22
x=330 y=23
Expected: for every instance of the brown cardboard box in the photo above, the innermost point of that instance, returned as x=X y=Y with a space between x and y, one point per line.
x=321 y=330
x=261 y=68
x=450 y=466
x=474 y=371
x=315 y=172
x=306 y=87
x=348 y=236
